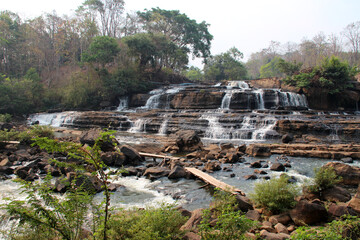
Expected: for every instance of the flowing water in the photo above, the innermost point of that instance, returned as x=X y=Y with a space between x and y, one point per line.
x=244 y=115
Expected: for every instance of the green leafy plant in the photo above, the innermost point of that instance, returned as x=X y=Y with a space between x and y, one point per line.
x=348 y=228
x=230 y=223
x=54 y=215
x=276 y=195
x=324 y=178
x=65 y=217
x=36 y=131
x=5 y=118
x=8 y=135
x=146 y=224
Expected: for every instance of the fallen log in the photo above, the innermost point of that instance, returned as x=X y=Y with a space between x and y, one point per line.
x=10 y=142
x=213 y=181
x=156 y=156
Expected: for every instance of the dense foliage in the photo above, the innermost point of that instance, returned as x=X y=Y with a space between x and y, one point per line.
x=226 y=66
x=333 y=75
x=89 y=60
x=348 y=227
x=325 y=178
x=231 y=223
x=276 y=195
x=151 y=223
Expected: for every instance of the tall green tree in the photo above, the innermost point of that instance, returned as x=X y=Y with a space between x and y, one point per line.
x=186 y=33
x=271 y=69
x=226 y=66
x=156 y=51
x=102 y=50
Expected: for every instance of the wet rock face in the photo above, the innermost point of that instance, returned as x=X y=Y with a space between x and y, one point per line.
x=197 y=100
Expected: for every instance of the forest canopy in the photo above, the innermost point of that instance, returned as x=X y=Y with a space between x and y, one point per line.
x=102 y=52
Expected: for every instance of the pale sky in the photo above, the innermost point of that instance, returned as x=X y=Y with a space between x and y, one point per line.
x=248 y=25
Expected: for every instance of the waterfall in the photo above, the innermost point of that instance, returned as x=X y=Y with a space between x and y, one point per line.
x=124 y=104
x=238 y=84
x=139 y=126
x=241 y=85
x=254 y=128
x=163 y=127
x=53 y=119
x=291 y=99
x=225 y=103
x=260 y=98
x=267 y=124
x=215 y=130
x=154 y=101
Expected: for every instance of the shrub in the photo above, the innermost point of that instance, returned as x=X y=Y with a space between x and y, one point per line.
x=348 y=227
x=5 y=118
x=150 y=223
x=230 y=223
x=58 y=215
x=276 y=195
x=324 y=178
x=48 y=212
x=6 y=135
x=36 y=131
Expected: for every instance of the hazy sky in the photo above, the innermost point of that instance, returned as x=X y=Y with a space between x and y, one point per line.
x=248 y=25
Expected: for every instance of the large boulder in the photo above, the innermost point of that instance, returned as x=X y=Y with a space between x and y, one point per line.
x=355 y=201
x=113 y=159
x=350 y=174
x=244 y=203
x=89 y=137
x=341 y=209
x=279 y=167
x=132 y=156
x=212 y=166
x=336 y=194
x=177 y=172
x=308 y=213
x=156 y=172
x=188 y=141
x=256 y=150
x=87 y=181
x=287 y=138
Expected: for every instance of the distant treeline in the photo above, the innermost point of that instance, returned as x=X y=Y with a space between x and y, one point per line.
x=90 y=59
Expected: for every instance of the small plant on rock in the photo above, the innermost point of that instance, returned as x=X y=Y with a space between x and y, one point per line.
x=347 y=228
x=276 y=195
x=146 y=224
x=223 y=220
x=325 y=178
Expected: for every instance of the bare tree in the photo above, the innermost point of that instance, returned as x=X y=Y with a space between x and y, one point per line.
x=108 y=13
x=352 y=33
x=335 y=45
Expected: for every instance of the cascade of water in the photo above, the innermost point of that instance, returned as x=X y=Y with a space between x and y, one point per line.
x=124 y=104
x=297 y=100
x=163 y=127
x=238 y=84
x=291 y=99
x=215 y=130
x=260 y=98
x=267 y=124
x=53 y=119
x=225 y=103
x=154 y=101
x=254 y=128
x=334 y=132
x=139 y=126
